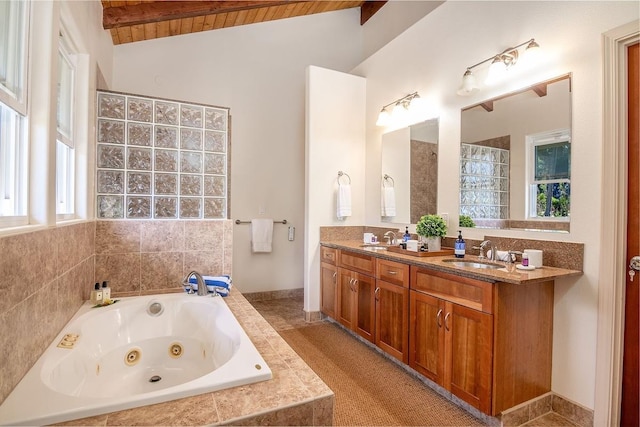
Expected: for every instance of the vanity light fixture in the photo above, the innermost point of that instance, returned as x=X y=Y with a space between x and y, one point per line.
x=401 y=111
x=500 y=64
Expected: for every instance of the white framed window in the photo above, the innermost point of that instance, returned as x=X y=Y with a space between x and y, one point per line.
x=65 y=147
x=549 y=175
x=14 y=24
x=13 y=54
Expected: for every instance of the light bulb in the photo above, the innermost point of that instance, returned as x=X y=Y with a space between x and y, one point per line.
x=469 y=84
x=418 y=109
x=399 y=114
x=384 y=118
x=531 y=54
x=497 y=71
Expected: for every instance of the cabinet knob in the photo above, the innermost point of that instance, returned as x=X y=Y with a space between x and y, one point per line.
x=438 y=317
x=446 y=321
x=392 y=272
x=335 y=276
x=376 y=293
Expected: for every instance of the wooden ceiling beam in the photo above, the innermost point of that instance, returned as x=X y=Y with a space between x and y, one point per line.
x=158 y=11
x=369 y=8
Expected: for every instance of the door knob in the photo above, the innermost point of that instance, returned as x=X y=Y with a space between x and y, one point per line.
x=634 y=265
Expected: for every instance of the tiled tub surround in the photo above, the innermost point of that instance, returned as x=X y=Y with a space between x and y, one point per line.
x=45 y=277
x=295 y=395
x=151 y=256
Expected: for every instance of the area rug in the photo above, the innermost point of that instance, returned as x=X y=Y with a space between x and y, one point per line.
x=370 y=390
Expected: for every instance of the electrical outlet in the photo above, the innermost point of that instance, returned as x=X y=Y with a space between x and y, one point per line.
x=445 y=217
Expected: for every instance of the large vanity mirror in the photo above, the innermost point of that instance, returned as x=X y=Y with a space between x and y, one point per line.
x=410 y=165
x=515 y=159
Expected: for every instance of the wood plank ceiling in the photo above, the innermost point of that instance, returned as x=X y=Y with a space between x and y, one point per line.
x=132 y=21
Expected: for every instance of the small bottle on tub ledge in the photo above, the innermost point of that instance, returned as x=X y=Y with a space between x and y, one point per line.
x=96 y=294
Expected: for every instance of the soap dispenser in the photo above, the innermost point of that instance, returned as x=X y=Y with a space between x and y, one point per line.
x=406 y=236
x=106 y=291
x=96 y=295
x=459 y=246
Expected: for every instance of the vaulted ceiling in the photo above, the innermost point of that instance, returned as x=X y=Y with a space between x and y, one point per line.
x=132 y=21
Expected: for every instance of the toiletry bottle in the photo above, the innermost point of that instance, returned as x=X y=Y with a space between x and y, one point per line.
x=106 y=291
x=525 y=259
x=96 y=295
x=460 y=246
x=406 y=235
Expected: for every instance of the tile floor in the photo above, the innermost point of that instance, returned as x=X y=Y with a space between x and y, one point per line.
x=287 y=313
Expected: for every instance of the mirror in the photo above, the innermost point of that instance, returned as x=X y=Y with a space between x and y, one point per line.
x=515 y=159
x=410 y=163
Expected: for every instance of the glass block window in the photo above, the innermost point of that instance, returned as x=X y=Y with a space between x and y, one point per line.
x=160 y=159
x=484 y=182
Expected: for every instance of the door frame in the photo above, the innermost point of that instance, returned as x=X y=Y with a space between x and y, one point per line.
x=612 y=277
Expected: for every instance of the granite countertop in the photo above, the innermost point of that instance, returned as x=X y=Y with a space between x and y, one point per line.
x=294 y=396
x=517 y=277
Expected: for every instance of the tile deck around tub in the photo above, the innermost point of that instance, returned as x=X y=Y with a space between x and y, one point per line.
x=295 y=395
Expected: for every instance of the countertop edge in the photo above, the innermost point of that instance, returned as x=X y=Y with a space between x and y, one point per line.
x=517 y=277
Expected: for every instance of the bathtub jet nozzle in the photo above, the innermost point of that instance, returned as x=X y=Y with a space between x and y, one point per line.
x=155 y=379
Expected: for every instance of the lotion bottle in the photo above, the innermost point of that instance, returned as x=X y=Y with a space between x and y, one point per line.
x=96 y=295
x=106 y=291
x=460 y=246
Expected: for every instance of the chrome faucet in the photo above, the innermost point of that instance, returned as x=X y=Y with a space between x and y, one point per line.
x=391 y=240
x=202 y=286
x=492 y=248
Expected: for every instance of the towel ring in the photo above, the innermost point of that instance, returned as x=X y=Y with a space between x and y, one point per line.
x=386 y=179
x=340 y=173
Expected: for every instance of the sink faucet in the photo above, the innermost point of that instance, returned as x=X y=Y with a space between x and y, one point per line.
x=492 y=248
x=391 y=240
x=202 y=286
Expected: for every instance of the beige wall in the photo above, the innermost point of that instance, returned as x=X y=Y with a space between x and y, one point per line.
x=259 y=72
x=431 y=56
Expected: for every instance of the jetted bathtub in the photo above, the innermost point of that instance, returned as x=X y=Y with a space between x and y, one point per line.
x=139 y=351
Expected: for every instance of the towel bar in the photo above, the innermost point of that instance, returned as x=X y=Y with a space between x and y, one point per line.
x=284 y=221
x=386 y=179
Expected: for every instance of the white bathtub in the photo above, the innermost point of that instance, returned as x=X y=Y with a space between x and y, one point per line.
x=128 y=355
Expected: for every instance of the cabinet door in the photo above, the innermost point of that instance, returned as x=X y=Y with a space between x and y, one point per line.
x=365 y=287
x=426 y=339
x=328 y=285
x=346 y=299
x=469 y=355
x=392 y=320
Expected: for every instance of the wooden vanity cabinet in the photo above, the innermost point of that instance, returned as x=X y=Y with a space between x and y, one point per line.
x=328 y=281
x=392 y=308
x=451 y=343
x=355 y=308
x=490 y=344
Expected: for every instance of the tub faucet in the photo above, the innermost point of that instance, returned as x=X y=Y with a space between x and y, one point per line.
x=202 y=286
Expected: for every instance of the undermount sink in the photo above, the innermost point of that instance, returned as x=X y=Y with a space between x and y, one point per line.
x=472 y=264
x=373 y=247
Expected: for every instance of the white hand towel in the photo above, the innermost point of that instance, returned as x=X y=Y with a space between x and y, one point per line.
x=261 y=235
x=343 y=201
x=388 y=202
x=501 y=255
